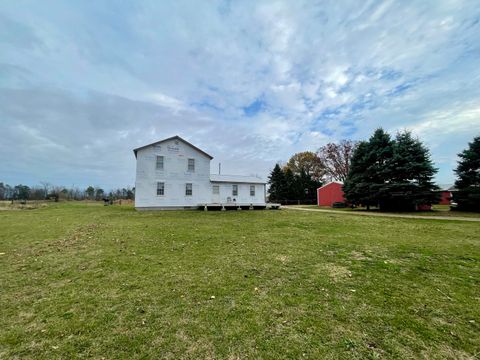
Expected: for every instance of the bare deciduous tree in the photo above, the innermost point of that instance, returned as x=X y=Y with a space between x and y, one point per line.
x=336 y=159
x=46 y=188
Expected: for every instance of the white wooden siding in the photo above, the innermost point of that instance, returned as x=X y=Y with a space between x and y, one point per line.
x=175 y=175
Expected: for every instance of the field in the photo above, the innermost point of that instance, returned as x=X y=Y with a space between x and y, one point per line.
x=437 y=210
x=81 y=280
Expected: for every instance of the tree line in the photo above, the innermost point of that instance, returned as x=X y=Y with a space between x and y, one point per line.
x=392 y=173
x=46 y=191
x=297 y=181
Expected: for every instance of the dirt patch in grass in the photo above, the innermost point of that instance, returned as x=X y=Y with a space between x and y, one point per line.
x=282 y=258
x=447 y=352
x=356 y=255
x=78 y=236
x=336 y=272
x=393 y=261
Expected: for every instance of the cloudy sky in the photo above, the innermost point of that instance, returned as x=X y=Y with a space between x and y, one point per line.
x=82 y=83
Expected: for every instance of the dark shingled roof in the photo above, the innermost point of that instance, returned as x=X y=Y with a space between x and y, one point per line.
x=172 y=138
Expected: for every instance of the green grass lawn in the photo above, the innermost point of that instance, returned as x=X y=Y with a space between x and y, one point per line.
x=437 y=210
x=84 y=280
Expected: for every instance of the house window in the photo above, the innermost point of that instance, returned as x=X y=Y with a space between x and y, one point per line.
x=188 y=189
x=191 y=165
x=234 y=190
x=160 y=188
x=159 y=162
x=252 y=190
x=216 y=189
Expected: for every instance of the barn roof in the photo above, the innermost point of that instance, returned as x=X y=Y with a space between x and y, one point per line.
x=176 y=137
x=446 y=187
x=236 y=179
x=331 y=182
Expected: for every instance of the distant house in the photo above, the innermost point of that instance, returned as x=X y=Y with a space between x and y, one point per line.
x=446 y=193
x=330 y=193
x=174 y=174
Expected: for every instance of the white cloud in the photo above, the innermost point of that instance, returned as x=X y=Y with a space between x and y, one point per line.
x=167 y=101
x=337 y=77
x=439 y=124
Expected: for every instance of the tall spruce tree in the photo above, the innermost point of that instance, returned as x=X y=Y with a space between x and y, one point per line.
x=410 y=176
x=379 y=156
x=291 y=191
x=467 y=195
x=277 y=183
x=369 y=170
x=303 y=173
x=286 y=186
x=393 y=174
x=356 y=186
x=307 y=187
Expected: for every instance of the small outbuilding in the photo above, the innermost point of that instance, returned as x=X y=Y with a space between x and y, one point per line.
x=330 y=193
x=446 y=193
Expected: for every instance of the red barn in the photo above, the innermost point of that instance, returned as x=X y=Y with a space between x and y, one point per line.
x=445 y=194
x=445 y=198
x=330 y=193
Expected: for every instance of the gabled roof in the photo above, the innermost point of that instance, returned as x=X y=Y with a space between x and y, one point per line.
x=236 y=179
x=446 y=187
x=331 y=182
x=176 y=137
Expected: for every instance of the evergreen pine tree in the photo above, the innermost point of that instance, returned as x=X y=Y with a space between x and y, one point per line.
x=395 y=175
x=356 y=185
x=308 y=188
x=410 y=176
x=467 y=195
x=369 y=170
x=379 y=156
x=291 y=185
x=277 y=184
x=302 y=177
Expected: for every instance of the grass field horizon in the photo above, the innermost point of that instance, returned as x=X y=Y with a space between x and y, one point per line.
x=437 y=210
x=84 y=280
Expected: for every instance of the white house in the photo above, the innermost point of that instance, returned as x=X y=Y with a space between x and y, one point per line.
x=174 y=174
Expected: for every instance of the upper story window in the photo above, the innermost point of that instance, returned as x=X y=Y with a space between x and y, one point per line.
x=191 y=165
x=188 y=189
x=160 y=188
x=252 y=190
x=216 y=189
x=160 y=162
x=234 y=190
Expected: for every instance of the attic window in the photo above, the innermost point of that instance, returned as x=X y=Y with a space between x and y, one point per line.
x=191 y=165
x=159 y=162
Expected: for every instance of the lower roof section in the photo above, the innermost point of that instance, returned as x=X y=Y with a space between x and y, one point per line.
x=236 y=179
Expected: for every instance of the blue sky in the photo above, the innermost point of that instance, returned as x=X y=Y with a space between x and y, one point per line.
x=82 y=83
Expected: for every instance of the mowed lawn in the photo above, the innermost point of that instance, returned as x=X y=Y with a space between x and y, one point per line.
x=437 y=210
x=82 y=280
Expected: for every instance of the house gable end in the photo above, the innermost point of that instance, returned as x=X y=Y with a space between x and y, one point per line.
x=176 y=137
